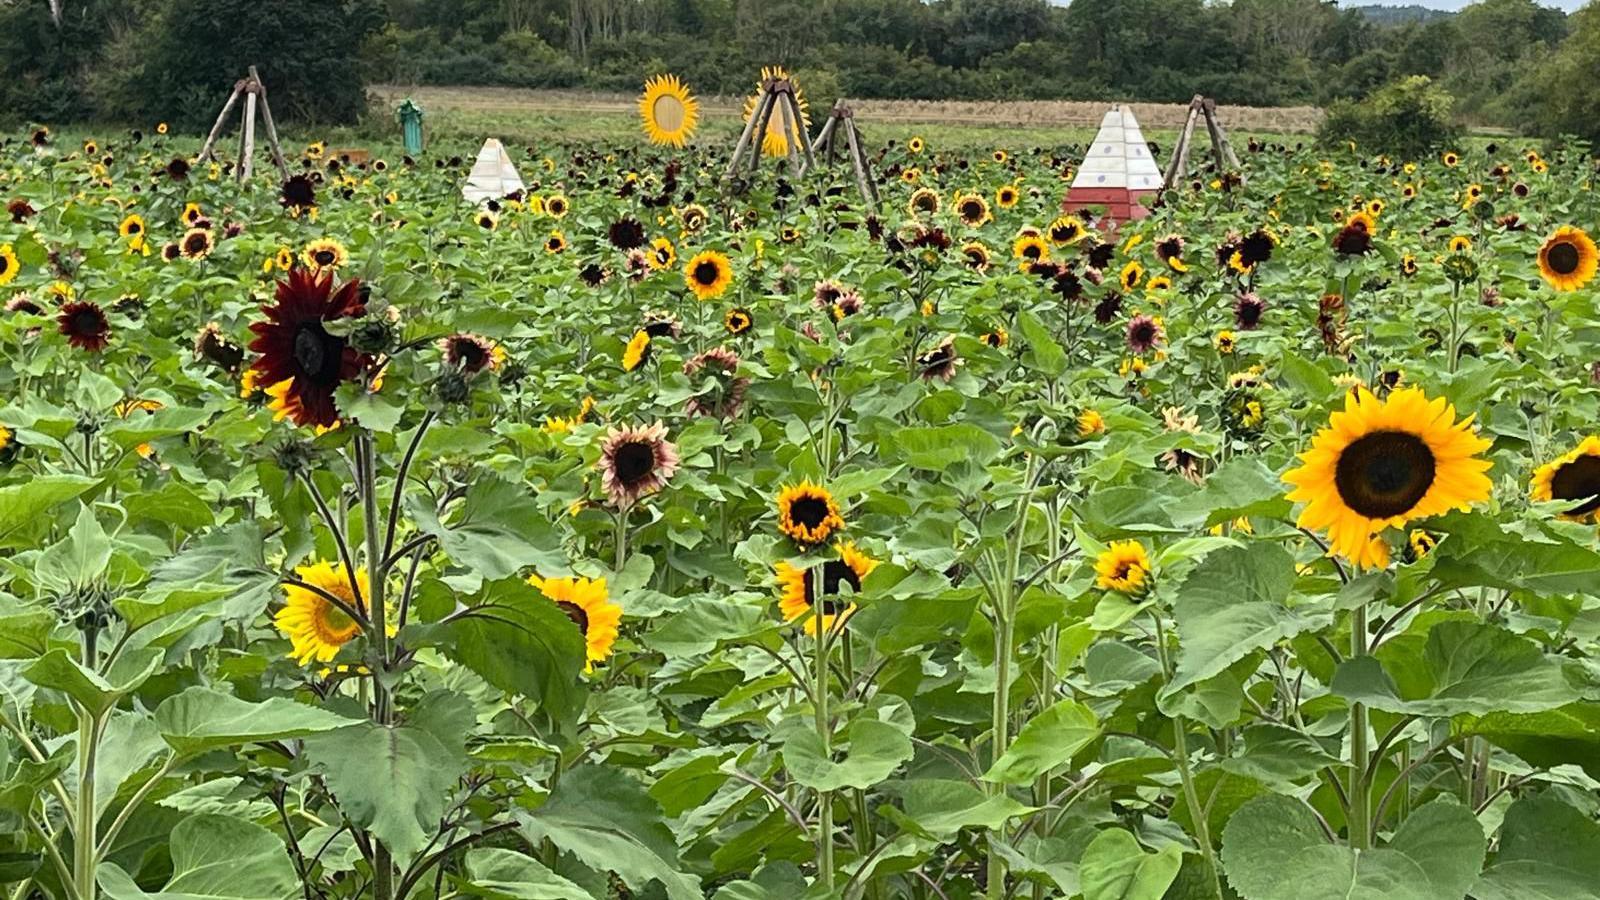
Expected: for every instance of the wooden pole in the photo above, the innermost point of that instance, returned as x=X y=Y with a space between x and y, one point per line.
x=800 y=132
x=247 y=139
x=272 y=130
x=216 y=130
x=824 y=139
x=791 y=135
x=1178 y=162
x=760 y=137
x=744 y=136
x=1216 y=137
x=858 y=162
x=1222 y=134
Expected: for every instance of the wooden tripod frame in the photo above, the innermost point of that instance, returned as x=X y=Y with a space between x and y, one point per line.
x=843 y=118
x=1221 y=151
x=777 y=94
x=254 y=92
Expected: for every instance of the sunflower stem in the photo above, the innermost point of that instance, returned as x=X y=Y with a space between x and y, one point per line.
x=378 y=635
x=85 y=837
x=1360 y=822
x=824 y=729
x=1180 y=754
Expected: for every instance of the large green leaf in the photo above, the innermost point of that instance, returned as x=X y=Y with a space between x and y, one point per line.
x=78 y=559
x=1548 y=851
x=214 y=858
x=60 y=670
x=392 y=780
x=522 y=643
x=1115 y=867
x=499 y=530
x=201 y=719
x=500 y=874
x=167 y=600
x=1232 y=604
x=1468 y=667
x=606 y=820
x=1242 y=487
x=131 y=432
x=941 y=807
x=940 y=447
x=1049 y=739
x=876 y=749
x=22 y=505
x=1274 y=849
x=1569 y=734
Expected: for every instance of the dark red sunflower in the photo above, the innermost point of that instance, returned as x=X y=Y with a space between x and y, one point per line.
x=295 y=345
x=85 y=326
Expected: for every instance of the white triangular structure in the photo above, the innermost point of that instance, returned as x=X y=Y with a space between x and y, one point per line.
x=493 y=175
x=1117 y=171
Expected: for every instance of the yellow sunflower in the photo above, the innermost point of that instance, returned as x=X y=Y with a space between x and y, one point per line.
x=323 y=254
x=808 y=513
x=1067 y=230
x=1573 y=476
x=915 y=145
x=774 y=141
x=1124 y=567
x=668 y=111
x=662 y=254
x=1568 y=259
x=555 y=243
x=1460 y=244
x=132 y=227
x=637 y=351
x=1029 y=249
x=1007 y=196
x=1450 y=158
x=192 y=214
x=798 y=598
x=8 y=264
x=1381 y=463
x=556 y=206
x=589 y=607
x=317 y=628
x=1091 y=423
x=973 y=210
x=923 y=202
x=708 y=274
x=976 y=254
x=1132 y=274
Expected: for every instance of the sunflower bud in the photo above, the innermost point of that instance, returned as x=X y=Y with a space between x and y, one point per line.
x=293 y=457
x=88 y=423
x=1461 y=268
x=373 y=336
x=512 y=373
x=451 y=387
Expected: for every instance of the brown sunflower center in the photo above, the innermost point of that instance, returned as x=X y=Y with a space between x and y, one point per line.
x=809 y=511
x=319 y=354
x=1384 y=473
x=971 y=210
x=1563 y=258
x=195 y=243
x=324 y=257
x=834 y=573
x=634 y=462
x=576 y=614
x=706 y=273
x=5 y=264
x=1578 y=480
x=469 y=354
x=87 y=323
x=1031 y=251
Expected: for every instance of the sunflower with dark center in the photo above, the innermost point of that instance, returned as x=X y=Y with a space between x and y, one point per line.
x=798 y=588
x=1007 y=196
x=19 y=210
x=555 y=243
x=923 y=202
x=635 y=462
x=1408 y=265
x=297 y=351
x=1256 y=248
x=324 y=254
x=940 y=362
x=178 y=169
x=1247 y=311
x=661 y=323
x=808 y=514
x=1067 y=230
x=8 y=264
x=469 y=353
x=1573 y=478
x=973 y=210
x=1383 y=463
x=708 y=274
x=1144 y=333
x=299 y=193
x=1107 y=308
x=556 y=206
x=1568 y=259
x=588 y=604
x=721 y=394
x=636 y=352
x=197 y=243
x=1028 y=249
x=976 y=255
x=626 y=234
x=593 y=274
x=662 y=254
x=1131 y=275
x=738 y=320
x=487 y=220
x=132 y=227
x=85 y=326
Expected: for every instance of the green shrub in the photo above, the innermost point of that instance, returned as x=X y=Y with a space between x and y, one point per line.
x=1408 y=118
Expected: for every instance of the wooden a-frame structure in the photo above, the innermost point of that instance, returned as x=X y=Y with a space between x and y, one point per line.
x=843 y=118
x=255 y=93
x=1221 y=151
x=777 y=96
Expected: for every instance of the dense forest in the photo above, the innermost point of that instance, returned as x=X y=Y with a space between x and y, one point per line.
x=1503 y=62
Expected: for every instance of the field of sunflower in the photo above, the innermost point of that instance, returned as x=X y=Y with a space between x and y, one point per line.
x=632 y=537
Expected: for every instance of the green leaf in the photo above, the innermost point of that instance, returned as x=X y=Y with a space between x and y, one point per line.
x=703 y=623
x=935 y=449
x=500 y=530
x=1278 y=755
x=1046 y=354
x=201 y=719
x=1242 y=487
x=61 y=671
x=941 y=807
x=1115 y=867
x=876 y=749
x=23 y=634
x=371 y=409
x=1468 y=667
x=214 y=858
x=1568 y=734
x=392 y=780
x=168 y=600
x=522 y=643
x=23 y=505
x=142 y=429
x=1273 y=849
x=606 y=820
x=1050 y=739
x=500 y=874
x=1548 y=851
x=1232 y=604
x=80 y=558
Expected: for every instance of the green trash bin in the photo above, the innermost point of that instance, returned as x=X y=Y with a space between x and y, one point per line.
x=410 y=116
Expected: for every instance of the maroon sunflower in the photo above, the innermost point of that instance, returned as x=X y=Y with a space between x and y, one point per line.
x=296 y=347
x=469 y=352
x=635 y=462
x=85 y=326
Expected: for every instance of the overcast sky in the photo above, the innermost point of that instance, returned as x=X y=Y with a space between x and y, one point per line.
x=1568 y=5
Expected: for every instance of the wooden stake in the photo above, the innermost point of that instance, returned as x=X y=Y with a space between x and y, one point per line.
x=791 y=135
x=800 y=132
x=1177 y=163
x=1216 y=136
x=744 y=137
x=760 y=137
x=272 y=131
x=858 y=162
x=211 y=140
x=247 y=136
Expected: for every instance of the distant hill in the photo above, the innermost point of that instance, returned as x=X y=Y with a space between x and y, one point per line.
x=1400 y=15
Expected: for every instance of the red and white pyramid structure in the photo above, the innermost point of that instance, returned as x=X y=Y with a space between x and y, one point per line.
x=1118 y=171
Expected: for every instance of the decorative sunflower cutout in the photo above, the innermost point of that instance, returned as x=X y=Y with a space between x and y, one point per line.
x=668 y=111
x=1573 y=477
x=1383 y=463
x=774 y=142
x=1568 y=259
x=799 y=588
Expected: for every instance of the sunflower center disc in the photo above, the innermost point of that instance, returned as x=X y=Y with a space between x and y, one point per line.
x=576 y=614
x=809 y=511
x=1384 y=473
x=86 y=323
x=1578 y=480
x=706 y=273
x=318 y=353
x=668 y=113
x=1563 y=259
x=634 y=461
x=834 y=573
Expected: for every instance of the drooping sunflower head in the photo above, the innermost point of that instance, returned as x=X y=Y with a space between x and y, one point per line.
x=1090 y=423
x=316 y=627
x=1568 y=259
x=667 y=111
x=808 y=514
x=324 y=254
x=1574 y=478
x=940 y=362
x=798 y=597
x=637 y=351
x=708 y=274
x=588 y=604
x=636 y=461
x=1382 y=463
x=1124 y=567
x=775 y=139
